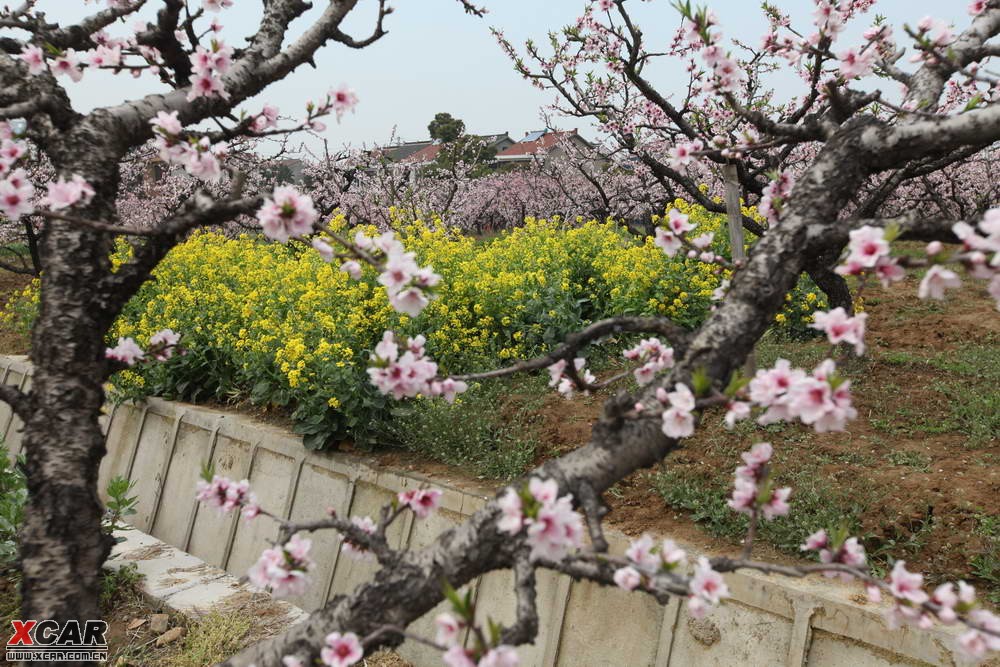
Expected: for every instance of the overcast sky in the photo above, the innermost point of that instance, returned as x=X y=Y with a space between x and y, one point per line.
x=436 y=58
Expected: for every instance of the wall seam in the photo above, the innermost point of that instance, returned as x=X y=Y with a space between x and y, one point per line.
x=135 y=442
x=668 y=630
x=165 y=470
x=234 y=524
x=561 y=603
x=293 y=488
x=193 y=514
x=798 y=646
x=352 y=485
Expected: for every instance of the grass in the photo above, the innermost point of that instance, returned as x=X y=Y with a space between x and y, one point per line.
x=986 y=564
x=121 y=585
x=911 y=459
x=211 y=640
x=895 y=543
x=487 y=432
x=818 y=504
x=931 y=392
x=10 y=602
x=805 y=354
x=971 y=404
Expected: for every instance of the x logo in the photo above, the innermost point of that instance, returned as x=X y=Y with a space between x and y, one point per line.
x=21 y=630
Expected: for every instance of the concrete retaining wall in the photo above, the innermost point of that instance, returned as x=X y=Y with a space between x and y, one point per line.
x=770 y=621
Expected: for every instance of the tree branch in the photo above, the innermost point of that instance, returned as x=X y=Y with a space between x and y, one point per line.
x=578 y=340
x=18 y=401
x=525 y=628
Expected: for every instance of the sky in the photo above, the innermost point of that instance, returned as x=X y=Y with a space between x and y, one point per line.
x=436 y=58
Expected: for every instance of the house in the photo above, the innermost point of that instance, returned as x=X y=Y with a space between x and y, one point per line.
x=541 y=142
x=401 y=151
x=498 y=142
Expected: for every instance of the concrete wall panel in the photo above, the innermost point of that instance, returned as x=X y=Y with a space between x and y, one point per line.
x=608 y=627
x=368 y=501
x=320 y=488
x=269 y=478
x=123 y=432
x=733 y=634
x=211 y=534
x=150 y=465
x=177 y=501
x=829 y=650
x=423 y=532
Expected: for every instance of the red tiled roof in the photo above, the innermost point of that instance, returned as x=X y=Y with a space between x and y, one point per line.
x=544 y=142
x=425 y=154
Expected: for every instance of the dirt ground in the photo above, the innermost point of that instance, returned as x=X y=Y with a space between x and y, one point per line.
x=133 y=641
x=918 y=470
x=921 y=462
x=12 y=342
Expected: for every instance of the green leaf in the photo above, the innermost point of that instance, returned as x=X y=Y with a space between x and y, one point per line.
x=737 y=382
x=495 y=630
x=260 y=391
x=315 y=441
x=892 y=231
x=976 y=100
x=457 y=604
x=700 y=382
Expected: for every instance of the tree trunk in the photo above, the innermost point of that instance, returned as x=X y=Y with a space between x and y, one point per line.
x=838 y=292
x=33 y=249
x=62 y=544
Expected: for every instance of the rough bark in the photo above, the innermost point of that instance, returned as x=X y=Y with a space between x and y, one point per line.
x=62 y=544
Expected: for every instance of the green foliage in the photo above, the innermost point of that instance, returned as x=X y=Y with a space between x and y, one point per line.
x=986 y=563
x=971 y=404
x=472 y=151
x=896 y=542
x=119 y=505
x=118 y=585
x=19 y=313
x=815 y=504
x=483 y=432
x=13 y=496
x=911 y=459
x=10 y=602
x=445 y=127
x=275 y=325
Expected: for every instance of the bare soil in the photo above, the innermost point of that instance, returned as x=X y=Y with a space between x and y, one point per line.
x=12 y=342
x=924 y=484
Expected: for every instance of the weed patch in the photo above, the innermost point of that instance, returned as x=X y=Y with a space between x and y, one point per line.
x=815 y=504
x=488 y=432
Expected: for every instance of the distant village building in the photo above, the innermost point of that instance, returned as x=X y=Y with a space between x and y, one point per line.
x=429 y=152
x=541 y=142
x=401 y=151
x=507 y=151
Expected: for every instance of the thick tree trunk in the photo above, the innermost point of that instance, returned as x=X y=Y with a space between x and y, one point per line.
x=62 y=544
